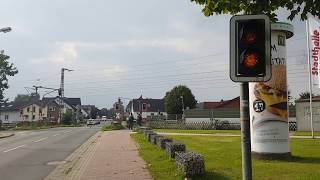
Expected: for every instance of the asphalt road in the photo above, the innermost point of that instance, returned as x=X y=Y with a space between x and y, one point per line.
x=32 y=155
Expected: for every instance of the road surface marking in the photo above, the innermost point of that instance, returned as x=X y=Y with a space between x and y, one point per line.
x=13 y=148
x=40 y=140
x=56 y=135
x=67 y=131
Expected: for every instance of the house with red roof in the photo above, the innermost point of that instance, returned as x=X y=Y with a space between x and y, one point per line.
x=219 y=110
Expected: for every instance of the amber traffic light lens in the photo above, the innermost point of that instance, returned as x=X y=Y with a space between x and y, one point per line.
x=250 y=60
x=249 y=38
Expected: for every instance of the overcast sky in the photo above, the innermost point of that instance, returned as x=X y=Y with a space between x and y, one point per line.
x=127 y=48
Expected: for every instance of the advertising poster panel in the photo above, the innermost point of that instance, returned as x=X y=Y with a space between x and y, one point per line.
x=269 y=100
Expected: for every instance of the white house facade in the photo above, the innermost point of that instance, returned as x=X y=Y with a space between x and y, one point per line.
x=147 y=107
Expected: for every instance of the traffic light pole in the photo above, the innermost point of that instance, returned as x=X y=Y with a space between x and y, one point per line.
x=245 y=131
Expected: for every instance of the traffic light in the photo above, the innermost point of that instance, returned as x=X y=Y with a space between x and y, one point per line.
x=250 y=55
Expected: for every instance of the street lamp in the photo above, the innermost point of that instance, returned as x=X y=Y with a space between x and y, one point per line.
x=61 y=90
x=182 y=103
x=5 y=29
x=182 y=106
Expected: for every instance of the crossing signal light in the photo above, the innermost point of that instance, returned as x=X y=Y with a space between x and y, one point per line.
x=250 y=55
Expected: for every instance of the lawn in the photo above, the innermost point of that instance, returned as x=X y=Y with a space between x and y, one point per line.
x=223 y=159
x=158 y=163
x=302 y=133
x=198 y=131
x=294 y=133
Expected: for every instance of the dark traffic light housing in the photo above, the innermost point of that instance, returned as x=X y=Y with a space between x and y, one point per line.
x=250 y=54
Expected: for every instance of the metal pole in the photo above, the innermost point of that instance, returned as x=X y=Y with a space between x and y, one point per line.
x=182 y=107
x=245 y=131
x=310 y=79
x=62 y=82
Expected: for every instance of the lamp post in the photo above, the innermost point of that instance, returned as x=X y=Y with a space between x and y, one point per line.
x=5 y=29
x=182 y=106
x=61 y=93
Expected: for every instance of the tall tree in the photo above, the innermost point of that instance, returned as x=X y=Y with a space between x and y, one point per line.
x=268 y=7
x=67 y=118
x=178 y=95
x=26 y=97
x=6 y=69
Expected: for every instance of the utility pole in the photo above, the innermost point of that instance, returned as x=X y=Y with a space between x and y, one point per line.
x=61 y=93
x=77 y=113
x=62 y=80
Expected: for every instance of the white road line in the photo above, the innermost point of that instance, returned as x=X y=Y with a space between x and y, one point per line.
x=67 y=131
x=13 y=148
x=40 y=140
x=56 y=135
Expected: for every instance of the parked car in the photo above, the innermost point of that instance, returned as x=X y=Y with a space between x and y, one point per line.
x=91 y=122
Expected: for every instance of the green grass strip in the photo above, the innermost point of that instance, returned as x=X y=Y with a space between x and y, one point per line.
x=161 y=166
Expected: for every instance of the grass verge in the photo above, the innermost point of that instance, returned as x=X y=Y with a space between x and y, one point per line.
x=158 y=163
x=198 y=131
x=303 y=133
x=111 y=127
x=223 y=159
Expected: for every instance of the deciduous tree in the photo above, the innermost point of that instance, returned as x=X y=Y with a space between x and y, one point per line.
x=268 y=7
x=175 y=97
x=6 y=69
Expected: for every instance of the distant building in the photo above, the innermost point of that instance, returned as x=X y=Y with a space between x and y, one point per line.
x=147 y=107
x=224 y=110
x=303 y=114
x=229 y=104
x=44 y=110
x=11 y=112
x=88 y=110
x=47 y=109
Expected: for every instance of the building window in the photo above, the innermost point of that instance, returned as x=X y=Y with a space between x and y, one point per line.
x=281 y=40
x=50 y=115
x=52 y=108
x=33 y=117
x=6 y=117
x=28 y=109
x=40 y=111
x=33 y=109
x=144 y=106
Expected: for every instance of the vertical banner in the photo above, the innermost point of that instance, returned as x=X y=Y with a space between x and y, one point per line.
x=314 y=45
x=268 y=102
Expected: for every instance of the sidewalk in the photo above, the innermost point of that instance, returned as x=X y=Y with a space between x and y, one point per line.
x=110 y=155
x=116 y=157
